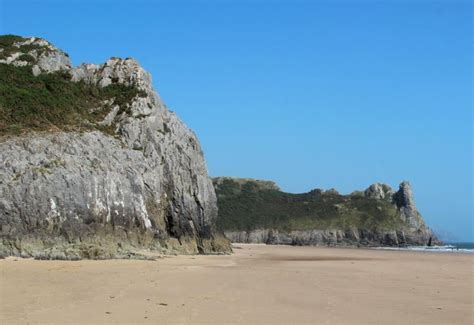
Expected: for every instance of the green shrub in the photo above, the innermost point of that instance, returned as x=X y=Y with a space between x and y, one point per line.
x=53 y=101
x=27 y=58
x=9 y=39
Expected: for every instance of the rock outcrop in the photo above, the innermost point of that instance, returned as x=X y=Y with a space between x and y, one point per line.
x=36 y=52
x=378 y=216
x=92 y=194
x=260 y=184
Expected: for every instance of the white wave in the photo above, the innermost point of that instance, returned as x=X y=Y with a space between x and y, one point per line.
x=445 y=249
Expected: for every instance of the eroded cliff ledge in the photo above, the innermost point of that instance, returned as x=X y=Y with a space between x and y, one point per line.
x=251 y=211
x=93 y=164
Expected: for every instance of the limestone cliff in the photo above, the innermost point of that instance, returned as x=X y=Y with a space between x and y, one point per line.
x=107 y=177
x=378 y=216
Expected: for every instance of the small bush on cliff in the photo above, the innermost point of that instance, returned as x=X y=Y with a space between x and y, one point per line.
x=53 y=101
x=8 y=40
x=26 y=58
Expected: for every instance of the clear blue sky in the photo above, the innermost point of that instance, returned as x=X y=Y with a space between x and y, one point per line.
x=307 y=93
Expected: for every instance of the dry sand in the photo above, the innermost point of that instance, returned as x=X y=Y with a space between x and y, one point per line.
x=257 y=285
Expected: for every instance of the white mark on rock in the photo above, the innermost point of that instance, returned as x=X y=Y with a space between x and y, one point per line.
x=143 y=213
x=54 y=213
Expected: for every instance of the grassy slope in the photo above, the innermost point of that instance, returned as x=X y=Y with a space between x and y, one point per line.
x=247 y=207
x=52 y=101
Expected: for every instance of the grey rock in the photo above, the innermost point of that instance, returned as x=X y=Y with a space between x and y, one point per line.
x=406 y=203
x=91 y=195
x=123 y=71
x=379 y=191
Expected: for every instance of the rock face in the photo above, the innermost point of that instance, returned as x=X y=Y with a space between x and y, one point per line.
x=88 y=194
x=378 y=216
x=406 y=204
x=335 y=237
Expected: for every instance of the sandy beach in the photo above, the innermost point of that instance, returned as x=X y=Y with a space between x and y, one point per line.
x=257 y=284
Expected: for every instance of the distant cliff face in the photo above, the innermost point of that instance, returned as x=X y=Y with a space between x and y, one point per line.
x=378 y=216
x=92 y=163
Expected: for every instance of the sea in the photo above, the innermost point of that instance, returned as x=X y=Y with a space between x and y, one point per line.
x=448 y=247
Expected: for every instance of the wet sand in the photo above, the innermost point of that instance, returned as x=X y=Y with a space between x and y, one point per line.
x=258 y=284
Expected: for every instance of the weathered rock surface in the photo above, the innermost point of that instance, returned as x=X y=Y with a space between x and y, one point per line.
x=354 y=237
x=89 y=194
x=378 y=216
